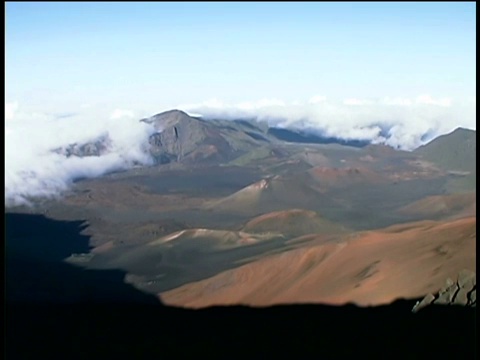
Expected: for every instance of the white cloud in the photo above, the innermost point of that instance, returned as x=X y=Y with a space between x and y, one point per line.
x=354 y=101
x=397 y=101
x=120 y=113
x=427 y=99
x=263 y=103
x=317 y=99
x=10 y=109
x=32 y=169
x=399 y=122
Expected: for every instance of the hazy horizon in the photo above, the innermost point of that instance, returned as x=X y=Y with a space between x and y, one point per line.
x=149 y=57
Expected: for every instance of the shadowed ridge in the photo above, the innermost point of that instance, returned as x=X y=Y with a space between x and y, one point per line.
x=295 y=136
x=36 y=248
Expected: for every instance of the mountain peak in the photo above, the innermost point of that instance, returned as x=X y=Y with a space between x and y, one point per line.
x=455 y=151
x=463 y=130
x=169 y=117
x=173 y=112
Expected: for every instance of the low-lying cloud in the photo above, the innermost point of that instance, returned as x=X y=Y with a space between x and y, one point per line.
x=41 y=156
x=403 y=123
x=36 y=166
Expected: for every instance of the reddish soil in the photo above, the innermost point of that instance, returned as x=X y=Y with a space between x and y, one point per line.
x=367 y=268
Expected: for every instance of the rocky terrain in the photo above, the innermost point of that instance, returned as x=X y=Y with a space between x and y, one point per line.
x=460 y=292
x=239 y=197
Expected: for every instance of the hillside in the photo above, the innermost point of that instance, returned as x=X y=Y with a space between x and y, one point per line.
x=293 y=223
x=369 y=268
x=187 y=139
x=455 y=151
x=182 y=138
x=456 y=154
x=442 y=206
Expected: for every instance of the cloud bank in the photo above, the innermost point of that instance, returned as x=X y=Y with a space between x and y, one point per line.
x=35 y=166
x=403 y=123
x=41 y=159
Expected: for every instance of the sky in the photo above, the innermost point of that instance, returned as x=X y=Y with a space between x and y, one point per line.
x=351 y=70
x=156 y=55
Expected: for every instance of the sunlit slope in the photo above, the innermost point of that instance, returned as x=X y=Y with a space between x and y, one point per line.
x=370 y=268
x=292 y=223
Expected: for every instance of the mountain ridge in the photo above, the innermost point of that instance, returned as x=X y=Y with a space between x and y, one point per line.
x=181 y=138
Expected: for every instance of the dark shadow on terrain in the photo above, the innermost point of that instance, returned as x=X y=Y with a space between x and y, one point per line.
x=256 y=136
x=247 y=123
x=36 y=272
x=204 y=181
x=306 y=138
x=116 y=321
x=114 y=331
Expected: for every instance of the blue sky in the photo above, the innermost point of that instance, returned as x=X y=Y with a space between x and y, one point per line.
x=60 y=56
x=393 y=73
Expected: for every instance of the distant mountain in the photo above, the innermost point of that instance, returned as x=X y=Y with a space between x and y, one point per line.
x=181 y=138
x=456 y=153
x=187 y=139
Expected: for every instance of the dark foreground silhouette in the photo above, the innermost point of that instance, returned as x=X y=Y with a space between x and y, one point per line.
x=56 y=310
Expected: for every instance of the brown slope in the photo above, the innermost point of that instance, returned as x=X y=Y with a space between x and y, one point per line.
x=371 y=268
x=345 y=176
x=243 y=199
x=293 y=222
x=454 y=205
x=270 y=194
